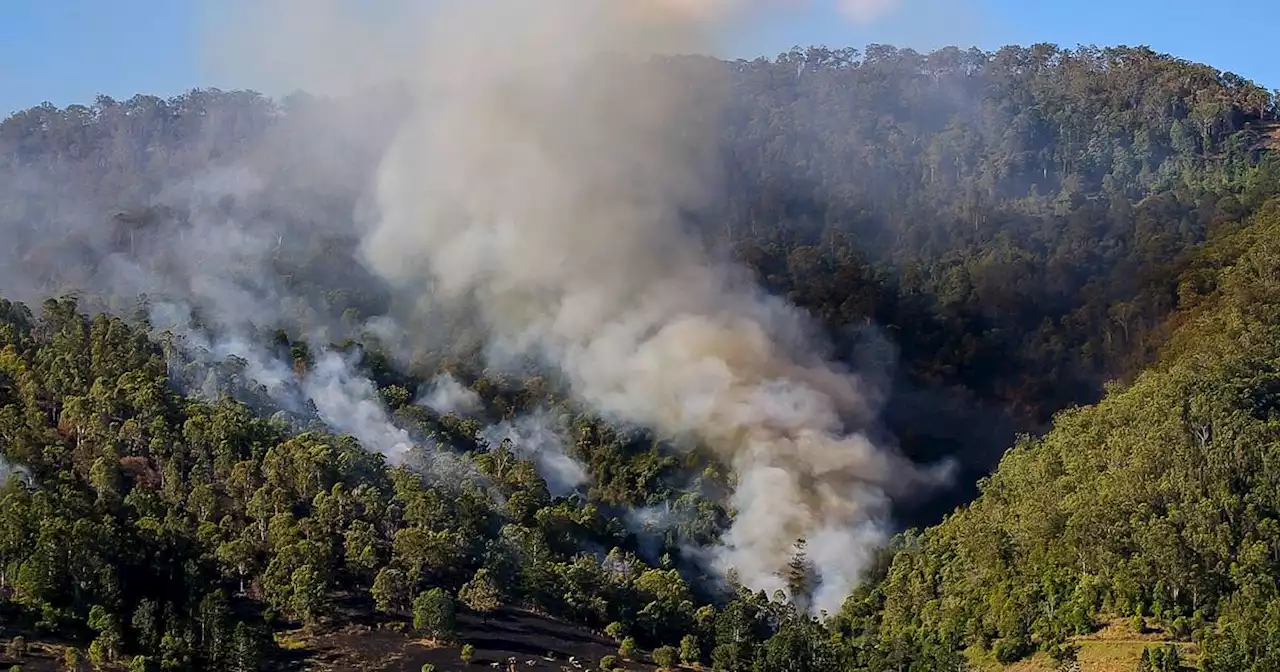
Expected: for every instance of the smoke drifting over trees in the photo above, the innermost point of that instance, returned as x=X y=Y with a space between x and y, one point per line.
x=544 y=183
x=720 y=266
x=540 y=194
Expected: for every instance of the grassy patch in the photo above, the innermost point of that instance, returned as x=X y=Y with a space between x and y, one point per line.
x=290 y=641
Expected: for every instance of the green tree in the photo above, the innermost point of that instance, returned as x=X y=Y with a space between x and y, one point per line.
x=309 y=593
x=480 y=593
x=800 y=577
x=616 y=631
x=391 y=591
x=71 y=659
x=1144 y=662
x=690 y=654
x=246 y=649
x=433 y=614
x=145 y=624
x=665 y=656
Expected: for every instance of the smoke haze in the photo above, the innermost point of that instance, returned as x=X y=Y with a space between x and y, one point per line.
x=444 y=394
x=539 y=438
x=542 y=178
x=540 y=187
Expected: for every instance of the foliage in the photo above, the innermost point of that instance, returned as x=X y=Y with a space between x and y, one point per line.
x=1157 y=503
x=433 y=614
x=689 y=652
x=665 y=656
x=480 y=593
x=1022 y=225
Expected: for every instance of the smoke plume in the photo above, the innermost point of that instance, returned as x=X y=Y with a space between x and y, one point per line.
x=9 y=470
x=542 y=177
x=538 y=437
x=444 y=394
x=541 y=181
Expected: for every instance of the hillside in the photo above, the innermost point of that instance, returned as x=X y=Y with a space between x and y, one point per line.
x=232 y=443
x=1013 y=221
x=1157 y=503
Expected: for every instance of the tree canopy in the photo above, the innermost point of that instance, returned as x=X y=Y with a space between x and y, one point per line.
x=1062 y=263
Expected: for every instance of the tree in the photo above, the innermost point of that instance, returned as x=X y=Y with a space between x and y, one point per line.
x=104 y=647
x=309 y=592
x=391 y=591
x=689 y=652
x=145 y=625
x=433 y=614
x=800 y=577
x=665 y=657
x=1144 y=663
x=71 y=659
x=245 y=649
x=627 y=648
x=468 y=653
x=480 y=594
x=175 y=652
x=607 y=663
x=1138 y=624
x=360 y=545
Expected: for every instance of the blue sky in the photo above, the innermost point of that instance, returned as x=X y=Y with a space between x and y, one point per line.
x=67 y=51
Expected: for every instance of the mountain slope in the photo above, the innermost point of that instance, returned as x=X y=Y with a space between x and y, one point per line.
x=989 y=234
x=1162 y=501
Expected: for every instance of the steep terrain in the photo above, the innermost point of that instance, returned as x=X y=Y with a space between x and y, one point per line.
x=1155 y=505
x=225 y=454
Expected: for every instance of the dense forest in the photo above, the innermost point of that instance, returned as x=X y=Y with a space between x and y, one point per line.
x=1061 y=265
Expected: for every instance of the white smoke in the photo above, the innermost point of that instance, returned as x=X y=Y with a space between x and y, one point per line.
x=542 y=177
x=208 y=349
x=348 y=402
x=538 y=437
x=345 y=400
x=445 y=394
x=9 y=470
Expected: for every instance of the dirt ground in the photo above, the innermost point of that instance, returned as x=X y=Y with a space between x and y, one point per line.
x=535 y=642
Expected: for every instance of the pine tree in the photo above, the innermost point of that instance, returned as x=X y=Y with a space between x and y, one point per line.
x=800 y=577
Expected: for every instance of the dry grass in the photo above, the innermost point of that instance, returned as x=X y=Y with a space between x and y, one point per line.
x=1113 y=648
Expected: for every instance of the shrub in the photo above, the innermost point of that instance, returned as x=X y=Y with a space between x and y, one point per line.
x=665 y=656
x=1010 y=650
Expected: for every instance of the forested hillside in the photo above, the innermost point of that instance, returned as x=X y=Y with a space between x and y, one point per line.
x=221 y=438
x=1156 y=505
